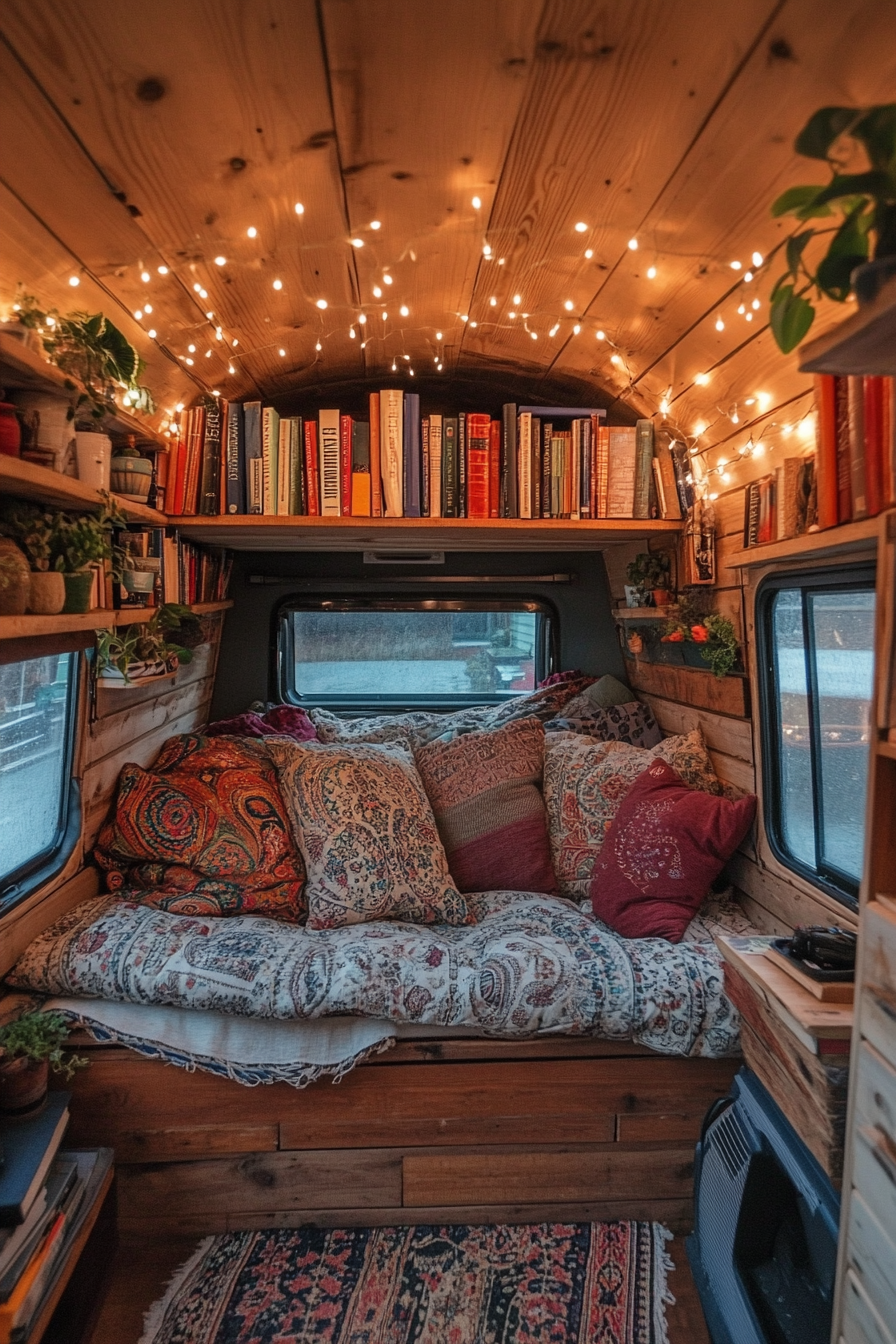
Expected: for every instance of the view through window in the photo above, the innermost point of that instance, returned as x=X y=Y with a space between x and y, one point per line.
x=35 y=697
x=821 y=641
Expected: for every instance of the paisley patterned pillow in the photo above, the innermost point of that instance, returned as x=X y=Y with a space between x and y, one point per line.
x=367 y=833
x=584 y=783
x=204 y=832
x=633 y=723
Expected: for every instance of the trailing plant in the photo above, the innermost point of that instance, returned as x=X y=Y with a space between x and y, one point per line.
x=38 y=1037
x=89 y=348
x=32 y=529
x=172 y=632
x=649 y=570
x=716 y=636
x=859 y=147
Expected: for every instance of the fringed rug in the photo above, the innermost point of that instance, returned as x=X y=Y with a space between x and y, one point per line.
x=542 y=1283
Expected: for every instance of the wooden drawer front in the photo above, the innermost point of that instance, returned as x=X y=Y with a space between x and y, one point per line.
x=862 y=1323
x=879 y=993
x=876 y=1093
x=546 y=1177
x=872 y=1257
x=874 y=1174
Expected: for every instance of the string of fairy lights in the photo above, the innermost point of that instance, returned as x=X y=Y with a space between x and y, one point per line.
x=385 y=322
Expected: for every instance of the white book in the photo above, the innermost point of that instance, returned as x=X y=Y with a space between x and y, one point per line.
x=621 y=472
x=435 y=466
x=270 y=453
x=524 y=464
x=283 y=466
x=328 y=447
x=392 y=451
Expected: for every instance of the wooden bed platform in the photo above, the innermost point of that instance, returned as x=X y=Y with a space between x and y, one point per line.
x=441 y=1130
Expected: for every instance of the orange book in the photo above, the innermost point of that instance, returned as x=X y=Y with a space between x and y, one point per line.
x=312 y=483
x=176 y=501
x=888 y=438
x=494 y=469
x=10 y=1308
x=874 y=443
x=826 y=457
x=376 y=478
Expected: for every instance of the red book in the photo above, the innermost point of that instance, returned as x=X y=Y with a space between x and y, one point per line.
x=826 y=456
x=194 y=459
x=312 y=483
x=874 y=443
x=888 y=431
x=844 y=466
x=494 y=469
x=376 y=479
x=179 y=466
x=345 y=463
x=478 y=470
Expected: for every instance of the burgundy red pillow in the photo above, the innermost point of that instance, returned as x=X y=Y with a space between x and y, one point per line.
x=665 y=846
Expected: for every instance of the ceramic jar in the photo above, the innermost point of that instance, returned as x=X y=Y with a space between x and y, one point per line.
x=132 y=477
x=47 y=593
x=10 y=430
x=15 y=579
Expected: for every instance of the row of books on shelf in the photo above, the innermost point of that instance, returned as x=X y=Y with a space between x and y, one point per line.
x=184 y=572
x=535 y=462
x=46 y=1194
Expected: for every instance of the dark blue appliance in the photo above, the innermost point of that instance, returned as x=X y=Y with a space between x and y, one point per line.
x=764 y=1247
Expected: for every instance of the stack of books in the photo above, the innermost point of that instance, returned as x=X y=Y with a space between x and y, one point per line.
x=856 y=460
x=533 y=462
x=45 y=1195
x=782 y=504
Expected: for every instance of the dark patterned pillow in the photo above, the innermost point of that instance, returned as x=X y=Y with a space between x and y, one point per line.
x=204 y=832
x=633 y=723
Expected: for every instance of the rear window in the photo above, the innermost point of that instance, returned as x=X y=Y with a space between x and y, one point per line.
x=349 y=652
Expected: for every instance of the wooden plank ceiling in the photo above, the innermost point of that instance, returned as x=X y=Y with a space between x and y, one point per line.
x=333 y=154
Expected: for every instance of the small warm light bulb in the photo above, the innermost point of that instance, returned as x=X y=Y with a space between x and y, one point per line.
x=438 y=335
x=511 y=313
x=188 y=361
x=162 y=270
x=278 y=284
x=486 y=249
x=220 y=261
x=404 y=310
x=735 y=418
x=145 y=277
x=351 y=332
x=147 y=307
x=197 y=288
x=748 y=276
x=300 y=209
x=759 y=450
x=720 y=325
x=735 y=265
x=138 y=314
x=231 y=369
x=321 y=303
x=581 y=227
x=208 y=354
x=493 y=302
x=151 y=333
x=722 y=462
x=191 y=348
x=742 y=308
x=664 y=406
x=748 y=317
x=755 y=304
x=318 y=346
x=534 y=335
x=474 y=324
x=464 y=317
x=699 y=428
x=387 y=279
x=251 y=232
x=375 y=224
x=74 y=281
x=385 y=316
x=616 y=359
x=600 y=335
x=362 y=319
x=568 y=305
x=203 y=293
x=282 y=352
x=377 y=292
x=477 y=204
x=589 y=253
x=764 y=399
x=701 y=379
x=633 y=244
x=179 y=407
x=554 y=329
x=576 y=329
x=651 y=272
x=749 y=401
x=357 y=242
x=756 y=258
x=234 y=341
x=726 y=476
x=516 y=300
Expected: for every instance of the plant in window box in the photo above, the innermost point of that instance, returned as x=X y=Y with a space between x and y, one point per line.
x=30 y=1046
x=649 y=572
x=136 y=653
x=33 y=528
x=710 y=642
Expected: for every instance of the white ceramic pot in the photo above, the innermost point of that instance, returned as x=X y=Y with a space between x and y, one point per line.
x=55 y=431
x=94 y=453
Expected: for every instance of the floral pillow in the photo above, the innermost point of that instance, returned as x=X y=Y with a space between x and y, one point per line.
x=204 y=832
x=367 y=833
x=584 y=783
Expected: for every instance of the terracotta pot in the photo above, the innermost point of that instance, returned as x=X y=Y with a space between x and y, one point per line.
x=15 y=579
x=47 y=593
x=23 y=1085
x=78 y=587
x=661 y=597
x=10 y=430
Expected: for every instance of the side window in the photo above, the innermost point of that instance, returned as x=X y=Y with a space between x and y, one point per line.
x=816 y=659
x=353 y=652
x=39 y=815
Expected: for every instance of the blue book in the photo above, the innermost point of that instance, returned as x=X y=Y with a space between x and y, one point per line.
x=252 y=449
x=235 y=460
x=413 y=456
x=29 y=1146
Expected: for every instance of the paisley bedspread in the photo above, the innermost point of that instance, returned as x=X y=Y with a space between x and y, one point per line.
x=531 y=965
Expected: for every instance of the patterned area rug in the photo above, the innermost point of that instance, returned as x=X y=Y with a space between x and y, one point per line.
x=542 y=1283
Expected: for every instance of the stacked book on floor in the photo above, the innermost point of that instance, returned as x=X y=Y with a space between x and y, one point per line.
x=533 y=462
x=46 y=1194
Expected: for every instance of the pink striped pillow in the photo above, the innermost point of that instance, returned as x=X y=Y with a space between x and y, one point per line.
x=485 y=791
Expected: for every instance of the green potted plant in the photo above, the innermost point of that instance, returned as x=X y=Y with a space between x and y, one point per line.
x=135 y=653
x=81 y=542
x=719 y=649
x=30 y=1046
x=649 y=572
x=859 y=147
x=33 y=528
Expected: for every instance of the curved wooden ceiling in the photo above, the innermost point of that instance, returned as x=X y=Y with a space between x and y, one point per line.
x=157 y=136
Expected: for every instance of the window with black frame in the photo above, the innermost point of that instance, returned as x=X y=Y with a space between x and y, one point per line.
x=355 y=652
x=39 y=815
x=816 y=661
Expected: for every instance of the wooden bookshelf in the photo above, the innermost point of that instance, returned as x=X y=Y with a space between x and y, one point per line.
x=22 y=367
x=44 y=486
x=865 y=343
x=834 y=541
x=101 y=618
x=253 y=532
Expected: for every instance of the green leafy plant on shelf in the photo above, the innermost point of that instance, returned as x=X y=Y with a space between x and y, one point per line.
x=713 y=633
x=32 y=528
x=168 y=637
x=859 y=147
x=38 y=1037
x=85 y=539
x=650 y=571
x=92 y=350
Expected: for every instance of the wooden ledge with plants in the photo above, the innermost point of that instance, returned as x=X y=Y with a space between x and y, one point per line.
x=693 y=637
x=31 y=1046
x=149 y=651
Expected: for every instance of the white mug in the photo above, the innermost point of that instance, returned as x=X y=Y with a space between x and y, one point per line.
x=94 y=458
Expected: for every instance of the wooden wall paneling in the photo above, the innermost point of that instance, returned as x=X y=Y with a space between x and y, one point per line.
x=689 y=686
x=582 y=152
x=721 y=732
x=240 y=130
x=420 y=184
x=21 y=925
x=777 y=905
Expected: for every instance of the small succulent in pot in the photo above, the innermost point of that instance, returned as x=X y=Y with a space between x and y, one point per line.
x=30 y=1046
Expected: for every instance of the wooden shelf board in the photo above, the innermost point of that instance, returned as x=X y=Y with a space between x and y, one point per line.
x=812 y=545
x=864 y=343
x=831 y=1021
x=44 y=486
x=27 y=627
x=646 y=613
x=22 y=367
x=258 y=533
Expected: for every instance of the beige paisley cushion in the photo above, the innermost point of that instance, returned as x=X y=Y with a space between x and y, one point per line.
x=364 y=825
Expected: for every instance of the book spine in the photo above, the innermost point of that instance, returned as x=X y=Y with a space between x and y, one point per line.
x=296 y=467
x=826 y=459
x=283 y=469
x=587 y=469
x=194 y=461
x=874 y=444
x=537 y=450
x=556 y=476
x=603 y=469
x=643 y=457
x=435 y=466
x=411 y=447
x=449 y=467
x=844 y=482
x=252 y=434
x=659 y=487
x=621 y=472
x=391 y=452
x=462 y=465
x=751 y=514
x=855 y=398
x=494 y=469
x=575 y=500
x=270 y=445
x=235 y=474
x=524 y=465
x=176 y=505
x=330 y=463
x=376 y=480
x=425 y=458
x=672 y=505
x=509 y=464
x=312 y=474
x=345 y=465
x=360 y=483
x=888 y=436
x=547 y=435
x=478 y=432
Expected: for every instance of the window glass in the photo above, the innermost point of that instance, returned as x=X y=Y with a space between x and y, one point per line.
x=820 y=639
x=431 y=652
x=35 y=709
